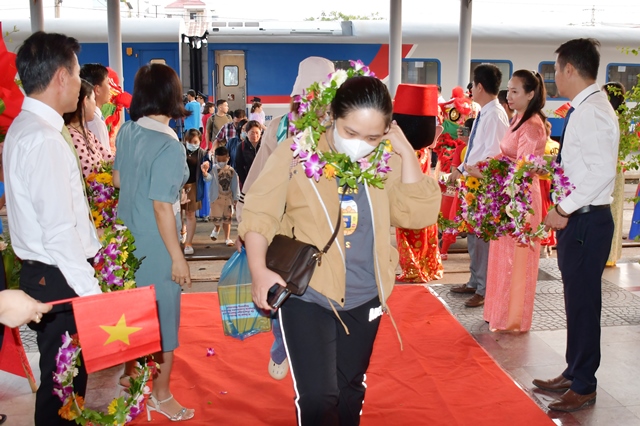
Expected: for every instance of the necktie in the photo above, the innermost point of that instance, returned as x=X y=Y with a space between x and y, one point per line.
x=472 y=137
x=67 y=137
x=564 y=129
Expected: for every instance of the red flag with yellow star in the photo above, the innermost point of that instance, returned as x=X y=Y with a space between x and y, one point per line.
x=117 y=327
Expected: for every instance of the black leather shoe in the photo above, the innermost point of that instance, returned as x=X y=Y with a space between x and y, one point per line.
x=571 y=401
x=559 y=384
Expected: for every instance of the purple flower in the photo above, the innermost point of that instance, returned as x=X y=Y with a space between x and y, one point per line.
x=313 y=166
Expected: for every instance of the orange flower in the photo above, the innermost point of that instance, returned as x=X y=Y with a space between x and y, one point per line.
x=329 y=171
x=496 y=219
x=469 y=198
x=70 y=411
x=520 y=163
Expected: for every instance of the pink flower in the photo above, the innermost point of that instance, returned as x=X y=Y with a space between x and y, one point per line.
x=313 y=166
x=210 y=352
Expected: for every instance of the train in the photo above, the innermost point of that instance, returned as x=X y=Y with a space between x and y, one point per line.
x=240 y=61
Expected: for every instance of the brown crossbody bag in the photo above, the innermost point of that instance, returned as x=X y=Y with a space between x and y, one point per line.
x=295 y=262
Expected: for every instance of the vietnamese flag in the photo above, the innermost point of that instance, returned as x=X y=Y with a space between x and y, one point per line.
x=117 y=327
x=563 y=110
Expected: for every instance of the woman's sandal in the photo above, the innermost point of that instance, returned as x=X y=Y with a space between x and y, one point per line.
x=181 y=415
x=3 y=418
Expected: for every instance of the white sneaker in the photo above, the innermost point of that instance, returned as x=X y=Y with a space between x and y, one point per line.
x=214 y=234
x=229 y=243
x=188 y=250
x=183 y=237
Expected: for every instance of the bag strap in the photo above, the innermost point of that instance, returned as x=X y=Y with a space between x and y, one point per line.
x=335 y=232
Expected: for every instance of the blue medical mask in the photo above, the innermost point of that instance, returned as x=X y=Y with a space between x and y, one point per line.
x=221 y=164
x=243 y=135
x=192 y=146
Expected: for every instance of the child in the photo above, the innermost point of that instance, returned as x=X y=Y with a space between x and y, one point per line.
x=223 y=194
x=257 y=113
x=197 y=161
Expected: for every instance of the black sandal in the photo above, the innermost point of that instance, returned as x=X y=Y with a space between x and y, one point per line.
x=3 y=418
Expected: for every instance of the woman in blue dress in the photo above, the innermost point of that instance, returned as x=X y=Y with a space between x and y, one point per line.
x=151 y=168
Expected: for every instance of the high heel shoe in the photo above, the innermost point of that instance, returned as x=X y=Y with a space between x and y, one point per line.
x=181 y=415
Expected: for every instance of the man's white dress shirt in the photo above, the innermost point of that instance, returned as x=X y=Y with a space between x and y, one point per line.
x=98 y=127
x=590 y=150
x=491 y=128
x=46 y=206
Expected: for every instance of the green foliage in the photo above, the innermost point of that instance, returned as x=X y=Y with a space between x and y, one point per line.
x=629 y=120
x=339 y=16
x=12 y=263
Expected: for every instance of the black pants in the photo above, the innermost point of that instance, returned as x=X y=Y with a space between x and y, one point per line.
x=46 y=283
x=583 y=249
x=327 y=365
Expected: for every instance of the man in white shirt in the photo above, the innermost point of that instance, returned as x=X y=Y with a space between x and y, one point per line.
x=488 y=129
x=589 y=156
x=98 y=75
x=49 y=219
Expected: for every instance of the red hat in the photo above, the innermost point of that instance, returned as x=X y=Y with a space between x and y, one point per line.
x=415 y=109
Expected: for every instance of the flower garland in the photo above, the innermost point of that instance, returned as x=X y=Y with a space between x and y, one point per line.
x=120 y=411
x=499 y=203
x=114 y=265
x=102 y=195
x=311 y=124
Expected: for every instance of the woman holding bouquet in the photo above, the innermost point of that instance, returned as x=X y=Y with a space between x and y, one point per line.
x=513 y=268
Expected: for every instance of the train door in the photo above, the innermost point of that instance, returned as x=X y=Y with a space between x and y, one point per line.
x=230 y=78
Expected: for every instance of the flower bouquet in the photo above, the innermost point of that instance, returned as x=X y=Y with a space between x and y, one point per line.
x=311 y=124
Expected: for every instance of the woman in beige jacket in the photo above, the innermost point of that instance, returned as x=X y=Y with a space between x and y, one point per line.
x=330 y=330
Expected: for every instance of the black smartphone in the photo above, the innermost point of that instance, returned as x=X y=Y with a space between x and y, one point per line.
x=277 y=296
x=465 y=131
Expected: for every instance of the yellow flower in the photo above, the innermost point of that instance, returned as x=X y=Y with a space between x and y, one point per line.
x=124 y=255
x=329 y=171
x=472 y=182
x=387 y=145
x=129 y=284
x=97 y=218
x=113 y=407
x=520 y=164
x=105 y=179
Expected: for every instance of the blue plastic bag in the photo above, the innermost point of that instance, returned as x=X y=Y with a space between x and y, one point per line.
x=240 y=316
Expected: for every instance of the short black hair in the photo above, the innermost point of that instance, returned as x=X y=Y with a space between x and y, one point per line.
x=469 y=123
x=220 y=102
x=251 y=124
x=489 y=76
x=192 y=133
x=157 y=91
x=239 y=113
x=582 y=54
x=191 y=93
x=40 y=57
x=95 y=74
x=502 y=97
x=221 y=151
x=615 y=92
x=360 y=93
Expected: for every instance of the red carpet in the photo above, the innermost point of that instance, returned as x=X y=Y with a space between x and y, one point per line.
x=443 y=377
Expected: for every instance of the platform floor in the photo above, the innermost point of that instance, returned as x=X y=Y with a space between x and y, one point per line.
x=536 y=354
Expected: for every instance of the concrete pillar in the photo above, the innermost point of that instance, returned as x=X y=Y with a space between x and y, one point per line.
x=37 y=15
x=115 y=38
x=464 y=43
x=395 y=46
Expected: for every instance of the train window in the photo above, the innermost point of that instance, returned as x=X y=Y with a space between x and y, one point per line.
x=420 y=71
x=548 y=73
x=506 y=68
x=158 y=61
x=627 y=74
x=231 y=75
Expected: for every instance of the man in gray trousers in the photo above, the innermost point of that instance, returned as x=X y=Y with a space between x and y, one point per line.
x=489 y=127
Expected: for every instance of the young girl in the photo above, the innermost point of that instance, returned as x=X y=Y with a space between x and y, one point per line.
x=257 y=114
x=349 y=290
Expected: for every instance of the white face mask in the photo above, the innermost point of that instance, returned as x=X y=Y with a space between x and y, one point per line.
x=354 y=148
x=221 y=164
x=192 y=146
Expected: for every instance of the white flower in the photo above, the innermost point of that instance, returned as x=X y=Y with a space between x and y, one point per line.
x=339 y=77
x=304 y=142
